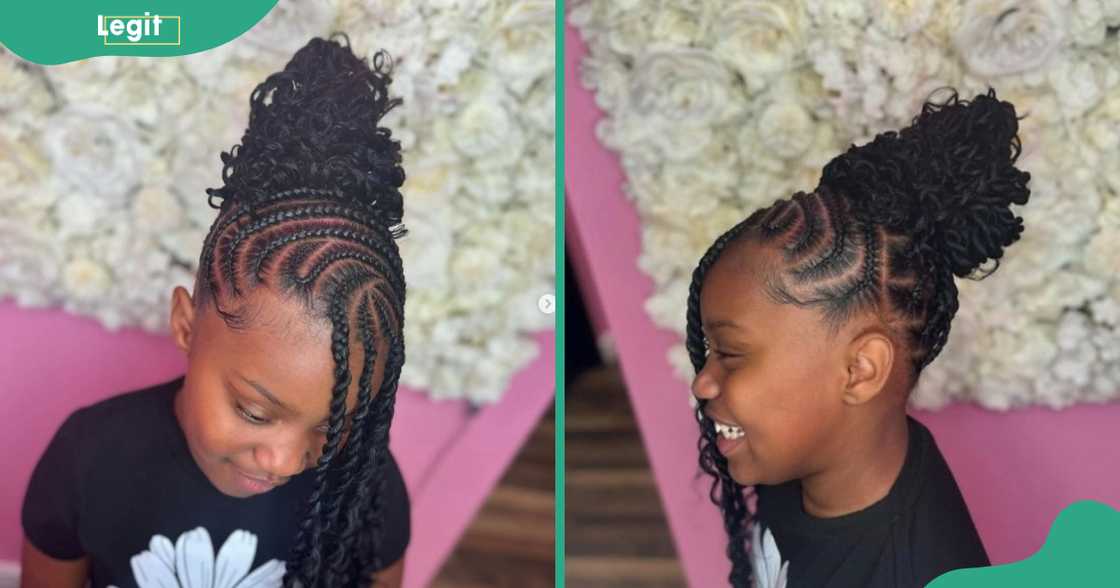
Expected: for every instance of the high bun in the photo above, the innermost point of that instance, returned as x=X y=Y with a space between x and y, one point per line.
x=315 y=124
x=885 y=232
x=948 y=180
x=311 y=209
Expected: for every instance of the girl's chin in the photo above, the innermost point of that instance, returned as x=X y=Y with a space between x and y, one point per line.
x=745 y=480
x=743 y=474
x=748 y=474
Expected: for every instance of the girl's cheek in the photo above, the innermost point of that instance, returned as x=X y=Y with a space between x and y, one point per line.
x=742 y=392
x=225 y=436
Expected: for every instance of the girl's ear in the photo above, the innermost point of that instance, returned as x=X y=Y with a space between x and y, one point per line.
x=870 y=361
x=182 y=318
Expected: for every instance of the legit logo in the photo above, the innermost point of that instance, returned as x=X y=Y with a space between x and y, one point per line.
x=140 y=30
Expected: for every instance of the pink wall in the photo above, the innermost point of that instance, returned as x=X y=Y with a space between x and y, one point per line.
x=1017 y=470
x=52 y=363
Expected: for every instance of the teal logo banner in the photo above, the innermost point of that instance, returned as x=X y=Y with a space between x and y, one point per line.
x=51 y=33
x=1080 y=551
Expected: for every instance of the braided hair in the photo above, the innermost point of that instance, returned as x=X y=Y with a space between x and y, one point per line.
x=311 y=208
x=885 y=231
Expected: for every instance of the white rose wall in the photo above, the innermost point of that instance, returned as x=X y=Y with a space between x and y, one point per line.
x=681 y=118
x=102 y=179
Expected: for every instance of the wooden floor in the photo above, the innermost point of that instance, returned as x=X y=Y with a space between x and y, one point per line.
x=615 y=528
x=511 y=541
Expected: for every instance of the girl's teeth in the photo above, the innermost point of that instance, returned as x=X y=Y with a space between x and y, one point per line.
x=728 y=431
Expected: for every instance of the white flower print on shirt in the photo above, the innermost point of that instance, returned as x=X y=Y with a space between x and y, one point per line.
x=769 y=569
x=190 y=563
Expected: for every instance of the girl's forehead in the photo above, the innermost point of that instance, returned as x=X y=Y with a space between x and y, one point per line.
x=737 y=290
x=267 y=311
x=285 y=347
x=736 y=280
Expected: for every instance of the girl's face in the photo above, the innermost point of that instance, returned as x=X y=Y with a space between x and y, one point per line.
x=772 y=370
x=256 y=401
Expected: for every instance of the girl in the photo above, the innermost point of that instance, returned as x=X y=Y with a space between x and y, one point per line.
x=808 y=325
x=268 y=461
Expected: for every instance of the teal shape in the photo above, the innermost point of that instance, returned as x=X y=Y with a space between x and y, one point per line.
x=61 y=31
x=1082 y=549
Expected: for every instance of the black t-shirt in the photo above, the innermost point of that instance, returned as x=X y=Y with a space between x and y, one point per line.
x=118 y=484
x=919 y=531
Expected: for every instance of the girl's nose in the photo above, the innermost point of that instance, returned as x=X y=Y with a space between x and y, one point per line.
x=282 y=460
x=704 y=386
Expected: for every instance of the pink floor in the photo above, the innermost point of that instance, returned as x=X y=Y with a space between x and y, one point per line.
x=1017 y=470
x=451 y=457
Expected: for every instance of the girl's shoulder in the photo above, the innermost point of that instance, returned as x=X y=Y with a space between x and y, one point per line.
x=128 y=408
x=120 y=425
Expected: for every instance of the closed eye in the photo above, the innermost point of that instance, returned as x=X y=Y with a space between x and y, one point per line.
x=729 y=358
x=250 y=417
x=254 y=419
x=720 y=354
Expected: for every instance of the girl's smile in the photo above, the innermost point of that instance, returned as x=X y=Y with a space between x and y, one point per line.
x=253 y=484
x=727 y=444
x=730 y=436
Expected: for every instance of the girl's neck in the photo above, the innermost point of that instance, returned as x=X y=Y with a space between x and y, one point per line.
x=872 y=464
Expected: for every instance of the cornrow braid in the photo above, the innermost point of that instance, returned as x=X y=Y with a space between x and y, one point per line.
x=886 y=230
x=311 y=209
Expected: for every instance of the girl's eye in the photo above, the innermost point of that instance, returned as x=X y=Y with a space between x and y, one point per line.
x=709 y=349
x=725 y=356
x=252 y=418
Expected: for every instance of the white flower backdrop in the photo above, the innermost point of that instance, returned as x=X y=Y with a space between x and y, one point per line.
x=104 y=162
x=717 y=108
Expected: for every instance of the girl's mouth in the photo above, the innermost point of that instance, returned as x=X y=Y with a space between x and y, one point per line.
x=729 y=437
x=252 y=484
